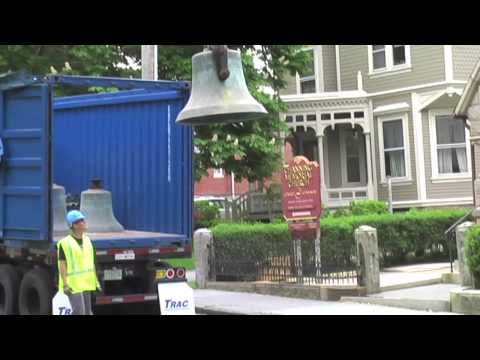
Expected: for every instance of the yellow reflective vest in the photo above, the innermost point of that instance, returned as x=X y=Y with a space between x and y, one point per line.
x=81 y=274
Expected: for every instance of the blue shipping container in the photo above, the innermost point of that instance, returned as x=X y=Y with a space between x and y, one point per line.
x=129 y=140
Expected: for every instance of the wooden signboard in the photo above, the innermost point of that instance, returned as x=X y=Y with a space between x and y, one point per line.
x=301 y=190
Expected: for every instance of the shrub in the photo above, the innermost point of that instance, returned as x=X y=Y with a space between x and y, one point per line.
x=472 y=254
x=366 y=207
x=420 y=233
x=205 y=214
x=341 y=212
x=326 y=212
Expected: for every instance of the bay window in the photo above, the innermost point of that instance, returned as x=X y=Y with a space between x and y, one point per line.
x=449 y=149
x=394 y=153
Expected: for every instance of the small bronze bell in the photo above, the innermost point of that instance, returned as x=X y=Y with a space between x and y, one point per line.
x=215 y=99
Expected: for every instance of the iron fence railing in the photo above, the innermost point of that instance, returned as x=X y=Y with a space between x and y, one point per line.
x=292 y=261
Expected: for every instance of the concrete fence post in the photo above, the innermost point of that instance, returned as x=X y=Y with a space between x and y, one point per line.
x=368 y=258
x=202 y=240
x=461 y=234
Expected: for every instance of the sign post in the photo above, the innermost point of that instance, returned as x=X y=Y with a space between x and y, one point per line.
x=302 y=205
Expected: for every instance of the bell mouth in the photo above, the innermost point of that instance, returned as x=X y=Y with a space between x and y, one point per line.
x=226 y=118
x=234 y=113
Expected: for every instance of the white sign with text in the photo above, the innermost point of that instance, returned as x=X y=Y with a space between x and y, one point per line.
x=61 y=305
x=176 y=299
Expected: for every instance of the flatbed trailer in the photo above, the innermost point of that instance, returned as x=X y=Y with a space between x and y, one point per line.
x=130 y=140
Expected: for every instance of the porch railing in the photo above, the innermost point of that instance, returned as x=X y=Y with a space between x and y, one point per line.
x=341 y=196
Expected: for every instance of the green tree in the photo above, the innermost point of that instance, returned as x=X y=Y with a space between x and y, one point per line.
x=250 y=150
x=95 y=60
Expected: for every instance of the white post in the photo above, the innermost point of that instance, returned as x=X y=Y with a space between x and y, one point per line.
x=390 y=195
x=359 y=81
x=318 y=259
x=233 y=184
x=298 y=258
x=321 y=163
x=149 y=62
x=368 y=146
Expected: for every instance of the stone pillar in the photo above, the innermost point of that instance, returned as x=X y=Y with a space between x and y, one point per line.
x=476 y=197
x=202 y=240
x=465 y=274
x=475 y=146
x=368 y=258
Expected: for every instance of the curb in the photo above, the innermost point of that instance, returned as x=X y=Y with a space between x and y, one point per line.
x=207 y=311
x=405 y=303
x=411 y=284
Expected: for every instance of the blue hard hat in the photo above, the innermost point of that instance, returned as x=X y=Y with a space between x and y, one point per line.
x=74 y=216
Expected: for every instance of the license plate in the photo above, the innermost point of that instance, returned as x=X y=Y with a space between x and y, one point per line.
x=112 y=275
x=125 y=256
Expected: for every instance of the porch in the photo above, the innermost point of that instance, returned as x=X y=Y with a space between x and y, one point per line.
x=335 y=132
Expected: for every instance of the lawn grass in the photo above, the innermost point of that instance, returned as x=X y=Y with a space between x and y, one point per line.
x=187 y=263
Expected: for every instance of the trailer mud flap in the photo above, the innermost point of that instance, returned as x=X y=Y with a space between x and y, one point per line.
x=176 y=299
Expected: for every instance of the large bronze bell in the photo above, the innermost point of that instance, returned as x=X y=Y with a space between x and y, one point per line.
x=214 y=100
x=96 y=205
x=59 y=207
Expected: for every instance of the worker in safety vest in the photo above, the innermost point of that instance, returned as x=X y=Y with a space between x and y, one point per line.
x=76 y=265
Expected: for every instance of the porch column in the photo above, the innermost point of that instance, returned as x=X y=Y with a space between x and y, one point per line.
x=321 y=162
x=300 y=140
x=368 y=145
x=282 y=147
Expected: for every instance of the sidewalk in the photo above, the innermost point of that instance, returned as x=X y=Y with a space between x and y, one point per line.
x=406 y=290
x=216 y=302
x=400 y=277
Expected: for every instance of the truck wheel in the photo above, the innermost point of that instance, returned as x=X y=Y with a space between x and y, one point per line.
x=9 y=285
x=36 y=293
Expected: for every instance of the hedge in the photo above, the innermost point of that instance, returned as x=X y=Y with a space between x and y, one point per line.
x=366 y=207
x=472 y=254
x=415 y=233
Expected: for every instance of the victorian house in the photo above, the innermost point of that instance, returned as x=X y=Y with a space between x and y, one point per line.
x=370 y=113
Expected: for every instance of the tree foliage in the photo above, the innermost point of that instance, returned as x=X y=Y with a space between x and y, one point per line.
x=250 y=150
x=93 y=60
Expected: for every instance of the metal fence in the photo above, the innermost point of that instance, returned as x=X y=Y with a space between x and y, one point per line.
x=284 y=261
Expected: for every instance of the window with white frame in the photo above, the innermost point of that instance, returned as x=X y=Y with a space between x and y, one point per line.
x=394 y=153
x=218 y=173
x=384 y=58
x=307 y=84
x=450 y=153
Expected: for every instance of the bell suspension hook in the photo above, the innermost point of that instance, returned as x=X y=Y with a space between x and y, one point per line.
x=220 y=56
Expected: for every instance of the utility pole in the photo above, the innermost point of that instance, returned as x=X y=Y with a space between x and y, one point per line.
x=149 y=62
